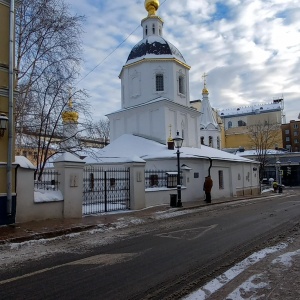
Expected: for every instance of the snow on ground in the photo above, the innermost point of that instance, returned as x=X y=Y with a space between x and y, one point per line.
x=216 y=284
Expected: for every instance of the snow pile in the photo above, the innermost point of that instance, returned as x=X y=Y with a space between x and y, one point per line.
x=41 y=196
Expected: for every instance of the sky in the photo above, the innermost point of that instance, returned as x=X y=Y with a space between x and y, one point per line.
x=250 y=49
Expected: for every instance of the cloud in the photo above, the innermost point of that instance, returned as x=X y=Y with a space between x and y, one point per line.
x=249 y=48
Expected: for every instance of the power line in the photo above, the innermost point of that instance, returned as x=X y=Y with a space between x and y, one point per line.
x=100 y=63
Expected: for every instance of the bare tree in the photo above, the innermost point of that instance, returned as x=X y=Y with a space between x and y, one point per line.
x=102 y=130
x=47 y=58
x=264 y=136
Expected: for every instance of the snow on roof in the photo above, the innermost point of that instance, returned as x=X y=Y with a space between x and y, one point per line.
x=128 y=145
x=254 y=152
x=23 y=162
x=153 y=47
x=253 y=109
x=68 y=157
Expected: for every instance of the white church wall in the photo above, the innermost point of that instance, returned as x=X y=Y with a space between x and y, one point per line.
x=186 y=123
x=181 y=98
x=139 y=83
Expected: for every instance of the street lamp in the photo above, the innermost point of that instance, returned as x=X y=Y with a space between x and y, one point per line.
x=178 y=140
x=289 y=172
x=3 y=124
x=278 y=172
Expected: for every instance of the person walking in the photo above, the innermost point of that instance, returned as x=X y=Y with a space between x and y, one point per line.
x=208 y=184
x=275 y=186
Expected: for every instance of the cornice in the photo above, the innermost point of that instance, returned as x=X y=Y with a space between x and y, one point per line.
x=155 y=59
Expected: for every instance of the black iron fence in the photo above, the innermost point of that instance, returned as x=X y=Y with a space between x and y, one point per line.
x=105 y=190
x=48 y=181
x=160 y=178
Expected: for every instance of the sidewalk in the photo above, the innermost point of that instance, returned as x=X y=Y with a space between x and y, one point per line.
x=51 y=228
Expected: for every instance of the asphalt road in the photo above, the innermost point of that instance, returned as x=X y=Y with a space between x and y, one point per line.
x=164 y=259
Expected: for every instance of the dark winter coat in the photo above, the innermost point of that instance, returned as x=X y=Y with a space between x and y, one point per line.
x=208 y=184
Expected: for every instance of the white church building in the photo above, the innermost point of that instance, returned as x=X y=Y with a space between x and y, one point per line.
x=155 y=104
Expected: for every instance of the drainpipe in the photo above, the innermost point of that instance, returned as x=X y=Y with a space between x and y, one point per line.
x=210 y=165
x=10 y=106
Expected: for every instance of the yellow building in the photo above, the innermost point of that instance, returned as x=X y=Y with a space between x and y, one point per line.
x=237 y=122
x=7 y=185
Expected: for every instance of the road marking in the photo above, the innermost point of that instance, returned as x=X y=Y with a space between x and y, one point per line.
x=188 y=234
x=101 y=259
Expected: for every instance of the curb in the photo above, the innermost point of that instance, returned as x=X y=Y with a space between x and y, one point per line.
x=81 y=228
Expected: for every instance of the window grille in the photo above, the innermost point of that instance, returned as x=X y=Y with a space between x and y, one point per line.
x=160 y=178
x=159 y=82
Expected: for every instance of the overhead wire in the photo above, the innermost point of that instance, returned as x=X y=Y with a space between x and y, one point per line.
x=107 y=56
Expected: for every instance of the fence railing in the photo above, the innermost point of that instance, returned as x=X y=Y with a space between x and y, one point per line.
x=160 y=178
x=49 y=181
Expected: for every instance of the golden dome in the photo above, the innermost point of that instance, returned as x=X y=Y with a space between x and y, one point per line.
x=70 y=116
x=151 y=6
x=205 y=91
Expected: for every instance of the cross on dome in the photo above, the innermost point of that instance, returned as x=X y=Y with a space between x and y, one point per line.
x=205 y=90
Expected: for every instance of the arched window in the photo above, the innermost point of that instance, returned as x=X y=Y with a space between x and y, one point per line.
x=159 y=30
x=202 y=140
x=181 y=85
x=210 y=141
x=241 y=123
x=146 y=30
x=229 y=124
x=153 y=29
x=218 y=143
x=159 y=82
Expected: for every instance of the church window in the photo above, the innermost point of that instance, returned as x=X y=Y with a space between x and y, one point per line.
x=229 y=124
x=146 y=30
x=241 y=123
x=202 y=140
x=181 y=85
x=159 y=30
x=153 y=28
x=210 y=141
x=159 y=82
x=218 y=142
x=221 y=180
x=172 y=179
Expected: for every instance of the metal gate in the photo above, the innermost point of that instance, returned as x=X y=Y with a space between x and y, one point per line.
x=105 y=190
